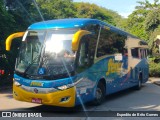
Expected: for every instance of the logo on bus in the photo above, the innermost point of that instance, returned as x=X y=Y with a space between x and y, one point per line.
x=38 y=84
x=113 y=67
x=41 y=71
x=35 y=90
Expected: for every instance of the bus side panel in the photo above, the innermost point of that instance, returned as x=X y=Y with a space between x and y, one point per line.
x=117 y=74
x=114 y=72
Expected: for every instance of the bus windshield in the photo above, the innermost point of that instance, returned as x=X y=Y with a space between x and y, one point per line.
x=50 y=50
x=30 y=50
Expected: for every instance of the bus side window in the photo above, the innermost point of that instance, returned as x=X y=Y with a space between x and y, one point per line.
x=82 y=54
x=85 y=53
x=110 y=42
x=147 y=53
x=93 y=28
x=143 y=53
x=135 y=53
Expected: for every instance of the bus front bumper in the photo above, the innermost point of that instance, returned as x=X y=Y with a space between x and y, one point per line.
x=65 y=98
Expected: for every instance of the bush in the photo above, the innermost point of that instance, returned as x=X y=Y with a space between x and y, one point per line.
x=154 y=69
x=5 y=76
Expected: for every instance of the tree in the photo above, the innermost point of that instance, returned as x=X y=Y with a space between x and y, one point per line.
x=152 y=18
x=144 y=20
x=135 y=24
x=6 y=20
x=53 y=9
x=87 y=10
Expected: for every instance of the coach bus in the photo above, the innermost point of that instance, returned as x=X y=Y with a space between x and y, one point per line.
x=68 y=61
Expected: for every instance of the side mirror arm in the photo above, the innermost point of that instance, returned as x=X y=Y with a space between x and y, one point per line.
x=77 y=37
x=10 y=39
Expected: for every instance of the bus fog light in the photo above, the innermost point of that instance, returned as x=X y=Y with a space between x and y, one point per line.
x=17 y=83
x=15 y=93
x=64 y=99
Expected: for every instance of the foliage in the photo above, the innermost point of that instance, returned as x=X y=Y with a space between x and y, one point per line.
x=56 y=9
x=154 y=66
x=87 y=10
x=7 y=21
x=135 y=24
x=154 y=69
x=152 y=20
x=145 y=20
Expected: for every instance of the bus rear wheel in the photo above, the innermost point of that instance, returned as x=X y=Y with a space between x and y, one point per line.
x=139 y=86
x=100 y=94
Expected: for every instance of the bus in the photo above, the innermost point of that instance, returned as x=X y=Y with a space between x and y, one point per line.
x=65 y=62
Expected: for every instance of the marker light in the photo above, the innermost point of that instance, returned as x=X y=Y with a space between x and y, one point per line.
x=64 y=99
x=64 y=87
x=17 y=83
x=2 y=72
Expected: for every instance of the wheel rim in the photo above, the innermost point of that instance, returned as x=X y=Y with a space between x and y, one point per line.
x=139 y=83
x=98 y=94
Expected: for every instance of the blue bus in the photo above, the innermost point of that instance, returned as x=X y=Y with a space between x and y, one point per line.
x=65 y=62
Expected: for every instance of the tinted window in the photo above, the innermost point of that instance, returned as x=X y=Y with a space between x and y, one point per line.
x=139 y=53
x=94 y=28
x=134 y=52
x=110 y=43
x=86 y=52
x=143 y=53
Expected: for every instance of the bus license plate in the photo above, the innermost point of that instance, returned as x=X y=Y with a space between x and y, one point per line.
x=37 y=100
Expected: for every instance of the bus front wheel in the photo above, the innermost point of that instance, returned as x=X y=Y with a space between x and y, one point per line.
x=100 y=94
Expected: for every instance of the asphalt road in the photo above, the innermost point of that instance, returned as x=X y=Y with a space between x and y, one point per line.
x=146 y=99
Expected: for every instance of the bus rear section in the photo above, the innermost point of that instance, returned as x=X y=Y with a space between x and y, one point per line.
x=137 y=60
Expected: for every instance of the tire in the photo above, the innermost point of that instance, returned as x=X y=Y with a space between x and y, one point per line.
x=139 y=86
x=100 y=94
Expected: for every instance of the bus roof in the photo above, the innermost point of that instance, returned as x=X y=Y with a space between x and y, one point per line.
x=72 y=23
x=62 y=23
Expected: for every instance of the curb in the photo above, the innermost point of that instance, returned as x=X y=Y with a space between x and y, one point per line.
x=155 y=82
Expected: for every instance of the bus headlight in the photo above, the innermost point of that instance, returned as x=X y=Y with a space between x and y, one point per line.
x=17 y=83
x=64 y=87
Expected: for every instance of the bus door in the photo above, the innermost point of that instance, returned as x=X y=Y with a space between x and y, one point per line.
x=124 y=73
x=85 y=76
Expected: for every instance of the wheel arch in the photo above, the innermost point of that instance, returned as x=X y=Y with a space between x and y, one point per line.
x=103 y=81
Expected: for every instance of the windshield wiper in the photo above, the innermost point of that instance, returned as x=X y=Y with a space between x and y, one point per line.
x=33 y=61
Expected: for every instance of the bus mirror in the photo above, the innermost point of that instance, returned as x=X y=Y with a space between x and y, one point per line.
x=11 y=37
x=77 y=37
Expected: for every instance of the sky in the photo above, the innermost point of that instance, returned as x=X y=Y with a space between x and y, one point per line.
x=122 y=7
